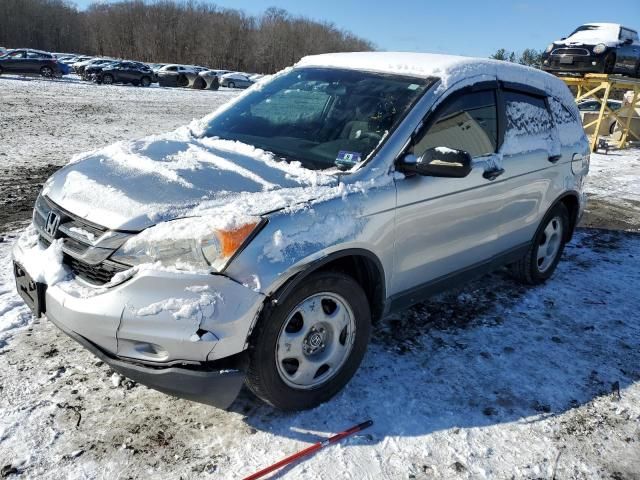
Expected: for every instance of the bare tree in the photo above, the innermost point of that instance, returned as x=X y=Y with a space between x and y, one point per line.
x=185 y=31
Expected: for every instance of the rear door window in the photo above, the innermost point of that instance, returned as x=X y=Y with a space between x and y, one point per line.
x=467 y=122
x=529 y=124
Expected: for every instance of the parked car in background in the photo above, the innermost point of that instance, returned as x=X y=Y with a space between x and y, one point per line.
x=236 y=80
x=2 y=51
x=597 y=48
x=399 y=175
x=91 y=71
x=79 y=67
x=74 y=59
x=172 y=75
x=209 y=79
x=135 y=73
x=28 y=61
x=590 y=110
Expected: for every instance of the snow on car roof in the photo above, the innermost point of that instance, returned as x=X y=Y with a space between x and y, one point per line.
x=450 y=69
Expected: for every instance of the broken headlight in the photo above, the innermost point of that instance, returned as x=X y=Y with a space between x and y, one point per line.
x=191 y=244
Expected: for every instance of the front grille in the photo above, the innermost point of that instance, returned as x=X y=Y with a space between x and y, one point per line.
x=96 y=274
x=570 y=51
x=86 y=246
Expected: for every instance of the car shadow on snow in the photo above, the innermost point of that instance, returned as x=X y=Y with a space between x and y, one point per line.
x=491 y=352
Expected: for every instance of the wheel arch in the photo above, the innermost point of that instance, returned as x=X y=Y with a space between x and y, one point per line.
x=571 y=200
x=362 y=265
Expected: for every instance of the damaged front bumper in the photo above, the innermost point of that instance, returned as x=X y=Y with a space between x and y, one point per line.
x=180 y=333
x=210 y=385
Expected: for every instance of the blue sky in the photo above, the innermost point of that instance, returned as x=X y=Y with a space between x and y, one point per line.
x=466 y=27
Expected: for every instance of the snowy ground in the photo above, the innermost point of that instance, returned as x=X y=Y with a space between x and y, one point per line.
x=491 y=381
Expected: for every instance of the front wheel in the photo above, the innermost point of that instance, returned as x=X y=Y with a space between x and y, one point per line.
x=107 y=79
x=231 y=85
x=609 y=64
x=307 y=348
x=46 y=72
x=542 y=258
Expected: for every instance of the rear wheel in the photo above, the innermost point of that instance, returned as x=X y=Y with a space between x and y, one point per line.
x=231 y=85
x=542 y=258
x=145 y=81
x=46 y=72
x=308 y=347
x=107 y=79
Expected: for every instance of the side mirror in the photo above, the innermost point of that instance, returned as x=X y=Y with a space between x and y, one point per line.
x=627 y=41
x=438 y=162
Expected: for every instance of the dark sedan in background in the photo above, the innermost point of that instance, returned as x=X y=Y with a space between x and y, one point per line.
x=27 y=61
x=135 y=73
x=595 y=48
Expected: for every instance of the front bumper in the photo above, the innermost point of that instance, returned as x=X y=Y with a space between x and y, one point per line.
x=218 y=388
x=580 y=64
x=167 y=330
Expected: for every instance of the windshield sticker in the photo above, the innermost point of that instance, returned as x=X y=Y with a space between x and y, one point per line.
x=348 y=159
x=413 y=86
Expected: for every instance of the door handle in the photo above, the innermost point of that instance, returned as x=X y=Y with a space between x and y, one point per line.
x=493 y=174
x=554 y=158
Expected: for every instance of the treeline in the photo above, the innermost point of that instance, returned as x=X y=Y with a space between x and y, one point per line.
x=529 y=56
x=190 y=32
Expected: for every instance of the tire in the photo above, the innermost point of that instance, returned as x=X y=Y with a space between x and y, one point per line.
x=46 y=72
x=609 y=64
x=182 y=81
x=231 y=85
x=552 y=234
x=1 y=70
x=145 y=81
x=107 y=79
x=199 y=83
x=636 y=74
x=612 y=128
x=324 y=319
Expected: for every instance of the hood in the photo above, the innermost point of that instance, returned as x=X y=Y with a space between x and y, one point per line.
x=133 y=185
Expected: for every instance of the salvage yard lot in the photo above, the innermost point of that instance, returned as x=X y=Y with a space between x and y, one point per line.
x=493 y=380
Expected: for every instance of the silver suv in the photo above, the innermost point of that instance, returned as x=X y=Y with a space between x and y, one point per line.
x=259 y=244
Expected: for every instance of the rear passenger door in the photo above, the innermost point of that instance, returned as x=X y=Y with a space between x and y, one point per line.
x=530 y=153
x=450 y=225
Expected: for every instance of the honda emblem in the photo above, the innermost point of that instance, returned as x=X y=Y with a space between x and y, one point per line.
x=53 y=222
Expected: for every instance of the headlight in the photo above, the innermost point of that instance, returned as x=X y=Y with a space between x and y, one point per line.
x=192 y=244
x=549 y=48
x=600 y=48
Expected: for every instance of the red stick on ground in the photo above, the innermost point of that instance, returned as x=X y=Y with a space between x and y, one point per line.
x=309 y=450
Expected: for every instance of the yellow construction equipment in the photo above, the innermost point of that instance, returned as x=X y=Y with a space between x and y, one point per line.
x=598 y=86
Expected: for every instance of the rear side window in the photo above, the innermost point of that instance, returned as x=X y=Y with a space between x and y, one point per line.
x=529 y=124
x=468 y=122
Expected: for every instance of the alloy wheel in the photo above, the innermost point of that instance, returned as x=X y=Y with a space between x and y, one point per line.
x=549 y=245
x=315 y=341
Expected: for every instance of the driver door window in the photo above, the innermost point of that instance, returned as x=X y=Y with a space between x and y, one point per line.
x=468 y=122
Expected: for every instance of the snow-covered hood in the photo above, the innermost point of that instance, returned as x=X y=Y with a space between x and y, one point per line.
x=133 y=185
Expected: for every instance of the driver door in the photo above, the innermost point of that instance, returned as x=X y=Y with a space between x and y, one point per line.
x=446 y=226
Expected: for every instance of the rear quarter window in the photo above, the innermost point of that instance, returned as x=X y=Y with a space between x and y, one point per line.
x=569 y=127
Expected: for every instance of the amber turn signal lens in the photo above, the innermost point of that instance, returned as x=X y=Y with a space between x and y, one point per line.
x=231 y=240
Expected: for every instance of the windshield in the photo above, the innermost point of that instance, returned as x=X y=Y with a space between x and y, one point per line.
x=595 y=33
x=320 y=117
